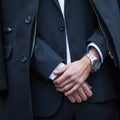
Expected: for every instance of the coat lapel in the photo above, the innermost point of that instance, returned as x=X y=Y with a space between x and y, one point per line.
x=57 y=4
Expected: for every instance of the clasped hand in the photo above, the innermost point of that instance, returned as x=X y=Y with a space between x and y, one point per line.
x=71 y=80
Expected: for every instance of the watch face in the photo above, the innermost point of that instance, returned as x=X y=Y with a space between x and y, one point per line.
x=96 y=64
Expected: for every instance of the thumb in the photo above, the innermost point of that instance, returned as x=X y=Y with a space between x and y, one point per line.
x=60 y=70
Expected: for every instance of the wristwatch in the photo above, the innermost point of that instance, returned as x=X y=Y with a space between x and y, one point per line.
x=94 y=61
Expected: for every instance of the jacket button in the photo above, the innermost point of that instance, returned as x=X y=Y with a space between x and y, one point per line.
x=23 y=59
x=28 y=20
x=61 y=28
x=8 y=30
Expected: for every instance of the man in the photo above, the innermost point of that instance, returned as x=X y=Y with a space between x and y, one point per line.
x=80 y=27
x=68 y=32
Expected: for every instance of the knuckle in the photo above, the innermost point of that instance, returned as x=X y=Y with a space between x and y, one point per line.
x=73 y=90
x=70 y=75
x=80 y=82
x=65 y=89
x=57 y=82
x=83 y=86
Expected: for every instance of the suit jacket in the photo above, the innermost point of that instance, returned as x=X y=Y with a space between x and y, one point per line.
x=18 y=20
x=50 y=49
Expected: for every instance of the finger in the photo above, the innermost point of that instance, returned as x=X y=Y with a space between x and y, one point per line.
x=64 y=77
x=63 y=84
x=90 y=87
x=71 y=98
x=61 y=70
x=66 y=88
x=72 y=90
x=87 y=90
x=59 y=80
x=82 y=94
x=77 y=97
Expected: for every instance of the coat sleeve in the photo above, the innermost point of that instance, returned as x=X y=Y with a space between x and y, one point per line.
x=99 y=39
x=44 y=59
x=3 y=84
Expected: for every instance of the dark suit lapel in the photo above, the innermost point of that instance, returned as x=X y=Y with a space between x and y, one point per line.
x=57 y=4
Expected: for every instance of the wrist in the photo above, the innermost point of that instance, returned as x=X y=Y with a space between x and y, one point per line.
x=94 y=52
x=87 y=62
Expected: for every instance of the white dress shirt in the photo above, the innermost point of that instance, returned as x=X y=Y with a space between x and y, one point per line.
x=61 y=2
x=52 y=75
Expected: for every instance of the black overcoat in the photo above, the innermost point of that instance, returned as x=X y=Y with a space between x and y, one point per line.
x=16 y=105
x=18 y=22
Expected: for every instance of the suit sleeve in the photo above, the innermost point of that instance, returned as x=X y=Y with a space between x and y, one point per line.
x=44 y=59
x=3 y=84
x=99 y=39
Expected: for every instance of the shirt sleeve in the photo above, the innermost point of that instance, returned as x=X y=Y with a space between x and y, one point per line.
x=97 y=48
x=52 y=75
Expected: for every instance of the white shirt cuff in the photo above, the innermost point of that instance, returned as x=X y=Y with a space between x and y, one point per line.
x=97 y=48
x=52 y=75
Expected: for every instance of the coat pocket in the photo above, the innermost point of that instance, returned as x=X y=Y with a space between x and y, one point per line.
x=8 y=50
